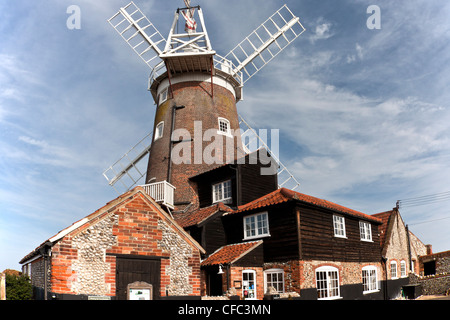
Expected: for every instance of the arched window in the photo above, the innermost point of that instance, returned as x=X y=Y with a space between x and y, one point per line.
x=163 y=96
x=394 y=270
x=402 y=269
x=369 y=279
x=224 y=127
x=159 y=130
x=274 y=278
x=327 y=283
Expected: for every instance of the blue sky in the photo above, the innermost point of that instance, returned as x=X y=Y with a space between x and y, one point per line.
x=363 y=113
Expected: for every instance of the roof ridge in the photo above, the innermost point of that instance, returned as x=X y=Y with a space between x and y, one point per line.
x=289 y=194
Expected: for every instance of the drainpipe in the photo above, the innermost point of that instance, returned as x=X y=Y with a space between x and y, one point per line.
x=409 y=248
x=45 y=250
x=169 y=167
x=384 y=261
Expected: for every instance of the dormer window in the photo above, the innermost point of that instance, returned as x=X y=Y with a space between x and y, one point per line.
x=224 y=127
x=256 y=225
x=159 y=130
x=221 y=192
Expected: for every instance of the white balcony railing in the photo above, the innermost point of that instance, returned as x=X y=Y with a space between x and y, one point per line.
x=161 y=192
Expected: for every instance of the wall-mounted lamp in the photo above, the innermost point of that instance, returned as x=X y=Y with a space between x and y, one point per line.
x=220 y=270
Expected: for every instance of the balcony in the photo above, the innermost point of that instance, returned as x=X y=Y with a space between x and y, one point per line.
x=161 y=192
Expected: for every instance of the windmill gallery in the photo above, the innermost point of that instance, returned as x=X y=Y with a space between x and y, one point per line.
x=215 y=216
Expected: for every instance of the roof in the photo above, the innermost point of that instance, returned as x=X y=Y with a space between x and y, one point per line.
x=384 y=217
x=201 y=215
x=230 y=253
x=110 y=206
x=284 y=195
x=245 y=159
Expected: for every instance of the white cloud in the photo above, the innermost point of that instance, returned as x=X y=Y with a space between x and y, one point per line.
x=321 y=30
x=358 y=55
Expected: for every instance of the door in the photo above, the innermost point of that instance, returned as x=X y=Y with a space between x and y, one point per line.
x=131 y=269
x=249 y=284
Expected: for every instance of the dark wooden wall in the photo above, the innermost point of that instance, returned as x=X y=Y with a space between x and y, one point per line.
x=252 y=184
x=314 y=240
x=318 y=241
x=247 y=183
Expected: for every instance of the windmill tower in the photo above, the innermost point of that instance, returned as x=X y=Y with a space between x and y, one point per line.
x=195 y=91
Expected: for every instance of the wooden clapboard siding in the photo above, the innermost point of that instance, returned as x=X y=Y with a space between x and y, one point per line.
x=282 y=244
x=318 y=240
x=313 y=240
x=252 y=184
x=247 y=183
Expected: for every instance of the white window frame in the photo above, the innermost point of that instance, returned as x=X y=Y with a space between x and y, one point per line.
x=246 y=285
x=339 y=226
x=159 y=132
x=326 y=279
x=260 y=227
x=365 y=231
x=228 y=127
x=163 y=95
x=370 y=279
x=223 y=196
x=393 y=271
x=276 y=279
x=403 y=269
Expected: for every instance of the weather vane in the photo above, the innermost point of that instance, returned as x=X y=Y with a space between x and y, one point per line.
x=188 y=15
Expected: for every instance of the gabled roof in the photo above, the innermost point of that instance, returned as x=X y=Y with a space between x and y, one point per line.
x=284 y=195
x=245 y=159
x=230 y=253
x=98 y=214
x=200 y=215
x=384 y=217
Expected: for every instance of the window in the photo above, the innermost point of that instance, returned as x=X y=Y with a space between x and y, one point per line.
x=327 y=282
x=403 y=269
x=256 y=225
x=274 y=278
x=224 y=127
x=365 y=231
x=163 y=96
x=393 y=269
x=159 y=130
x=339 y=226
x=369 y=279
x=222 y=192
x=249 y=284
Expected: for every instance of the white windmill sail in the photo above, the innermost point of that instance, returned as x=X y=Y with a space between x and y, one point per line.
x=142 y=36
x=192 y=51
x=129 y=169
x=285 y=178
x=266 y=42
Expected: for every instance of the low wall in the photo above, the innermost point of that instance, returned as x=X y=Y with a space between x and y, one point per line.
x=437 y=284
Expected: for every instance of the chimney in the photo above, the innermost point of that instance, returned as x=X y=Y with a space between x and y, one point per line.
x=429 y=249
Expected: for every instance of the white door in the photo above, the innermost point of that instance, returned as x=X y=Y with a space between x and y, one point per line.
x=249 y=284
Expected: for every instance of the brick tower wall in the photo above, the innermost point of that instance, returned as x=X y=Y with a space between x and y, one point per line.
x=202 y=108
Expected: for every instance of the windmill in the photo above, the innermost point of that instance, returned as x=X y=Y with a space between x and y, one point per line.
x=195 y=90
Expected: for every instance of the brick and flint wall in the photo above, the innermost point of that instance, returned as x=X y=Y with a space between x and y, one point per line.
x=84 y=261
